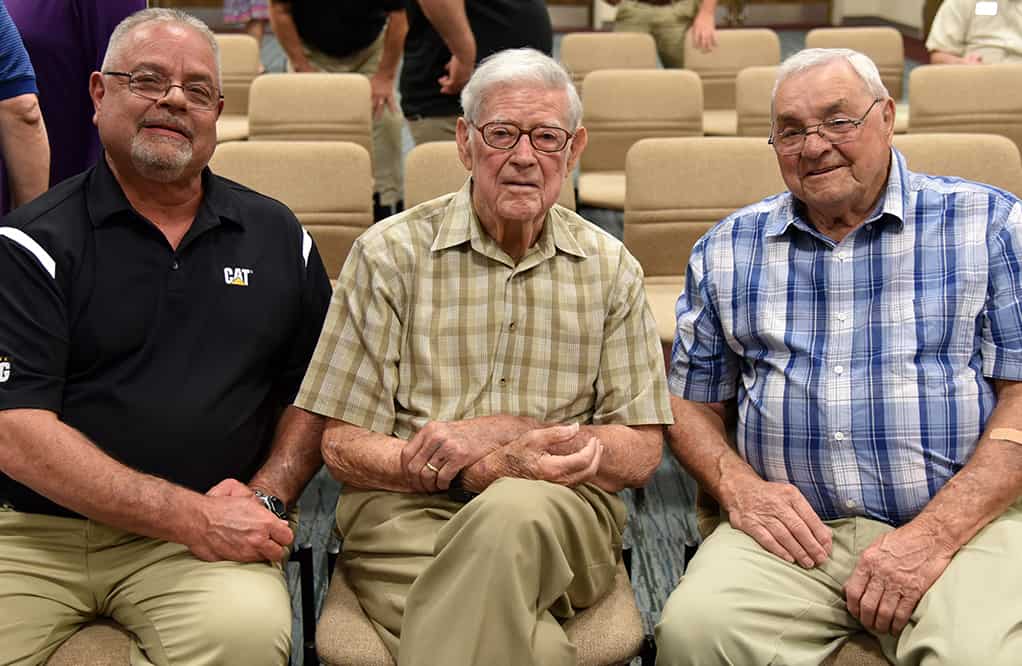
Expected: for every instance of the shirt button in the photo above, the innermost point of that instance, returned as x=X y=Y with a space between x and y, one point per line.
x=503 y=381
x=839 y=436
x=850 y=503
x=841 y=316
x=838 y=369
x=512 y=326
x=174 y=266
x=842 y=255
x=869 y=227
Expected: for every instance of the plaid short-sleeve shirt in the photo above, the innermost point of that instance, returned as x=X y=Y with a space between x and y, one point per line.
x=861 y=368
x=431 y=320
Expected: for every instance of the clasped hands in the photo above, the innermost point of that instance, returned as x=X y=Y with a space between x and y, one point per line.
x=561 y=454
x=888 y=581
x=233 y=524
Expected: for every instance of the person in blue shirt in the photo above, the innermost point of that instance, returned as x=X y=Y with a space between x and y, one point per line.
x=866 y=325
x=26 y=153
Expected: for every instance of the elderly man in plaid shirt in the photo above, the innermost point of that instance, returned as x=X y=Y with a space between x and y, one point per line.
x=494 y=377
x=868 y=326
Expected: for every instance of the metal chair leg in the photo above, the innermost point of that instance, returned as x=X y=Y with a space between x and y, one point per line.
x=307 y=588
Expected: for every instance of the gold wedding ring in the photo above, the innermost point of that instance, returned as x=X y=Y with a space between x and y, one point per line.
x=435 y=470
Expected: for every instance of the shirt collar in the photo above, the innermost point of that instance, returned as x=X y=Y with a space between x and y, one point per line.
x=460 y=224
x=106 y=200
x=890 y=209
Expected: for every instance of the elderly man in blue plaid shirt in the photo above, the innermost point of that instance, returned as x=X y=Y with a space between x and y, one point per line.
x=867 y=326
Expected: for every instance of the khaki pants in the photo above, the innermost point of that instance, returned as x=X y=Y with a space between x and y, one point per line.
x=480 y=583
x=58 y=573
x=738 y=604
x=387 y=165
x=666 y=23
x=437 y=128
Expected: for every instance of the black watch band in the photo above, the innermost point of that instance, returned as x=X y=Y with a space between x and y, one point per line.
x=273 y=504
x=457 y=491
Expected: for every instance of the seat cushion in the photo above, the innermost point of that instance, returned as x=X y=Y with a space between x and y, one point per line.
x=99 y=643
x=662 y=293
x=861 y=649
x=344 y=634
x=231 y=127
x=901 y=118
x=720 y=122
x=602 y=189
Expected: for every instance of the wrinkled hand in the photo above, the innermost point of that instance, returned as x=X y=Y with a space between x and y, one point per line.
x=550 y=454
x=892 y=576
x=704 y=32
x=382 y=89
x=449 y=446
x=972 y=59
x=780 y=519
x=303 y=67
x=238 y=527
x=458 y=74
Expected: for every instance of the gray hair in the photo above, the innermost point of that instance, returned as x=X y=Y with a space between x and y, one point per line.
x=810 y=58
x=158 y=15
x=519 y=66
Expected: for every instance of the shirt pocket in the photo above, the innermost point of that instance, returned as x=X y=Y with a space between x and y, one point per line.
x=928 y=340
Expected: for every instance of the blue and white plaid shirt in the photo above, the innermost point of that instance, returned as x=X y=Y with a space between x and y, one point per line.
x=861 y=368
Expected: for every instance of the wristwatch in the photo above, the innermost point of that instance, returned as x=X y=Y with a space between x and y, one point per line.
x=273 y=504
x=458 y=492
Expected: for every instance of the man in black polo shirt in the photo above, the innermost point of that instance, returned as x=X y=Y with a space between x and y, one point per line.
x=363 y=36
x=446 y=38
x=155 y=322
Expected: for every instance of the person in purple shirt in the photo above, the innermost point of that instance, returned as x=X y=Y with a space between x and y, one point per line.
x=66 y=40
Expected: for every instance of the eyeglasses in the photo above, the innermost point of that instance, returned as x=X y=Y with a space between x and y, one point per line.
x=505 y=136
x=836 y=131
x=154 y=87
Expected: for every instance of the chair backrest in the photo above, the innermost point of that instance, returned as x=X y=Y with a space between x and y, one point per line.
x=678 y=188
x=311 y=107
x=752 y=104
x=327 y=184
x=239 y=66
x=987 y=158
x=434 y=168
x=884 y=46
x=736 y=49
x=584 y=52
x=967 y=98
x=622 y=106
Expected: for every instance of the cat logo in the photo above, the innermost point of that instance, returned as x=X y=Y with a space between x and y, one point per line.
x=5 y=369
x=237 y=277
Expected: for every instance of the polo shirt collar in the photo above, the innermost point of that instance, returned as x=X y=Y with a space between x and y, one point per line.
x=106 y=200
x=460 y=224
x=890 y=209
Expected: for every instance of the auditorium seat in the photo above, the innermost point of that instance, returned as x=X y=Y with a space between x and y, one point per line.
x=753 y=88
x=239 y=66
x=585 y=52
x=622 y=107
x=987 y=158
x=736 y=49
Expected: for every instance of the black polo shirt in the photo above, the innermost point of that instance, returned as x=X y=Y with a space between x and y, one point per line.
x=341 y=27
x=177 y=363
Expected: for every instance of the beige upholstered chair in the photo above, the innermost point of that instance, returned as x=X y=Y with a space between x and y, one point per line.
x=584 y=52
x=967 y=98
x=736 y=49
x=239 y=66
x=433 y=169
x=609 y=632
x=99 y=643
x=623 y=106
x=883 y=45
x=677 y=190
x=328 y=185
x=987 y=158
x=753 y=88
x=311 y=107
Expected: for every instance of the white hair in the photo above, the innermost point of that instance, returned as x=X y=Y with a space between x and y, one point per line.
x=519 y=66
x=810 y=58
x=158 y=15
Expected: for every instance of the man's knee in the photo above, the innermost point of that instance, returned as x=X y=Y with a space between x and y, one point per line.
x=511 y=508
x=693 y=626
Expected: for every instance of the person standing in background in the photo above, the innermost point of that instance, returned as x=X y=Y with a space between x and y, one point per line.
x=446 y=38
x=667 y=21
x=965 y=32
x=363 y=36
x=66 y=40
x=252 y=14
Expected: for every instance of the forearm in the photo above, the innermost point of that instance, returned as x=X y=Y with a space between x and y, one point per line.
x=630 y=454
x=364 y=459
x=699 y=441
x=26 y=151
x=294 y=457
x=55 y=460
x=988 y=484
x=944 y=58
x=287 y=34
x=393 y=44
x=708 y=8
x=451 y=23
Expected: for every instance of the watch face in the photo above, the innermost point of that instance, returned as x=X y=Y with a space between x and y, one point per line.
x=274 y=504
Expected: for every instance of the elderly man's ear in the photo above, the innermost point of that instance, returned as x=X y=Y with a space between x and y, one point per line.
x=461 y=136
x=888 y=116
x=578 y=144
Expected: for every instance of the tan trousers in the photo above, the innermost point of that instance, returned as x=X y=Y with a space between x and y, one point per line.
x=738 y=604
x=437 y=128
x=58 y=573
x=666 y=23
x=485 y=582
x=387 y=165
